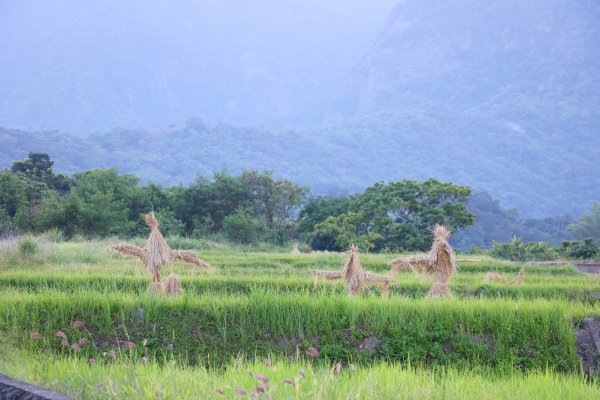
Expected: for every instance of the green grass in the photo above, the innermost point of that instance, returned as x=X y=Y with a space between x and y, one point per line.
x=129 y=378
x=488 y=341
x=213 y=329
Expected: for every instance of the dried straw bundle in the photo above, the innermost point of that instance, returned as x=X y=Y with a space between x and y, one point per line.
x=439 y=263
x=520 y=279
x=354 y=276
x=418 y=263
x=173 y=285
x=492 y=276
x=155 y=287
x=442 y=261
x=157 y=252
x=190 y=257
x=353 y=273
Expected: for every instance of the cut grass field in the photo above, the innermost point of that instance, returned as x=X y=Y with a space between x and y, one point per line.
x=491 y=340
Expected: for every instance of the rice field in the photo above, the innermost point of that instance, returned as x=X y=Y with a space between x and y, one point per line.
x=260 y=325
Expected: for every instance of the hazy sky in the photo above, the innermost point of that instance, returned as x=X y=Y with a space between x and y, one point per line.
x=234 y=61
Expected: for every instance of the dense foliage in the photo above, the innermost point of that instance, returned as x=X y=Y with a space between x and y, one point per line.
x=518 y=250
x=102 y=202
x=394 y=216
x=257 y=207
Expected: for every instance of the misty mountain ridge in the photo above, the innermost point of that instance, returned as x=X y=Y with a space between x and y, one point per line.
x=502 y=96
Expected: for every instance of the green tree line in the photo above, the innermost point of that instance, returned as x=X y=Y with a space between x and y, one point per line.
x=247 y=208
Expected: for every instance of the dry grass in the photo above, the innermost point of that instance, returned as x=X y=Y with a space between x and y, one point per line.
x=172 y=287
x=493 y=276
x=439 y=263
x=157 y=253
x=418 y=263
x=443 y=262
x=295 y=250
x=520 y=279
x=354 y=276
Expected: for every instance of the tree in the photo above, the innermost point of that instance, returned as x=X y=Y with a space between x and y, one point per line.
x=38 y=167
x=100 y=203
x=14 y=192
x=270 y=199
x=318 y=209
x=588 y=225
x=398 y=215
x=242 y=227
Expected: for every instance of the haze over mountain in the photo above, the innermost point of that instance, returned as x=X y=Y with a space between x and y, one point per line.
x=86 y=66
x=503 y=96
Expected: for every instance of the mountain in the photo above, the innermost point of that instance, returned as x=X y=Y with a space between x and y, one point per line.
x=86 y=66
x=503 y=95
x=514 y=61
x=336 y=160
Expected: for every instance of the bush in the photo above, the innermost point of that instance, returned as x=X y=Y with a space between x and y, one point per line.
x=516 y=250
x=243 y=228
x=581 y=249
x=27 y=246
x=55 y=235
x=513 y=250
x=541 y=251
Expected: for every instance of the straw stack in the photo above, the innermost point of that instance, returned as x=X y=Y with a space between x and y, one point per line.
x=355 y=278
x=157 y=253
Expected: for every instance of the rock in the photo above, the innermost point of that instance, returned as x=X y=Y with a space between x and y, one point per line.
x=593 y=327
x=140 y=313
x=11 y=389
x=170 y=346
x=588 y=346
x=368 y=345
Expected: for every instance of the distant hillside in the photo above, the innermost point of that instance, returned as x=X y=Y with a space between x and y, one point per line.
x=538 y=178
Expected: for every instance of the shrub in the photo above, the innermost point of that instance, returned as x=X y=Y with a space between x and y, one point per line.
x=54 y=235
x=242 y=227
x=513 y=250
x=541 y=251
x=581 y=249
x=517 y=250
x=27 y=246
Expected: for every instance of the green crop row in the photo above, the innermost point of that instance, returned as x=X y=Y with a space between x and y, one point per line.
x=129 y=378
x=213 y=329
x=581 y=289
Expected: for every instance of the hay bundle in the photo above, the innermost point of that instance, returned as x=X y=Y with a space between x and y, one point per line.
x=355 y=278
x=352 y=273
x=295 y=250
x=418 y=263
x=520 y=279
x=438 y=264
x=441 y=261
x=157 y=253
x=190 y=257
x=173 y=285
x=493 y=276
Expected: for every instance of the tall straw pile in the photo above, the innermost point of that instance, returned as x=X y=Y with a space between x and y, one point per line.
x=157 y=253
x=520 y=279
x=438 y=264
x=355 y=278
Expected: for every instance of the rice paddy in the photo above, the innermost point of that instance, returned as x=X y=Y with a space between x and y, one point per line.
x=258 y=324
